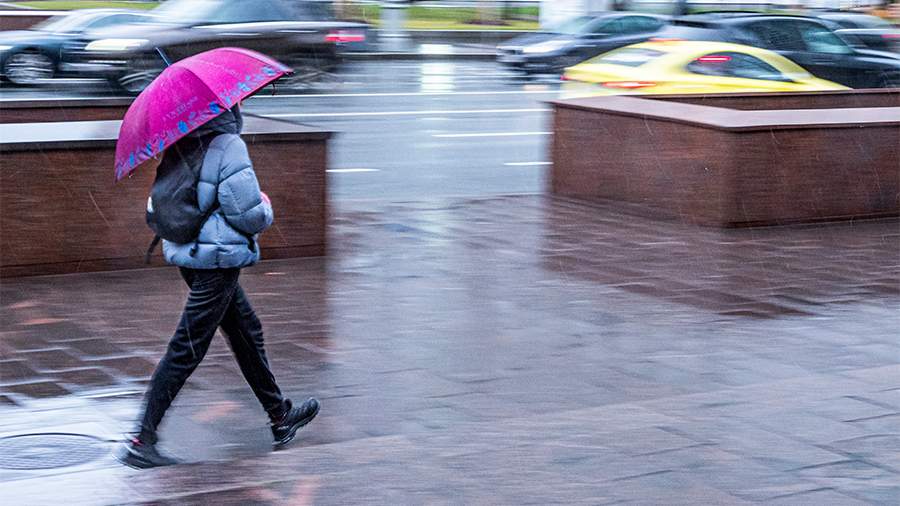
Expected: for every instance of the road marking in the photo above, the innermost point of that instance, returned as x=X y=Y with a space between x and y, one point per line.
x=350 y=171
x=398 y=113
x=411 y=94
x=526 y=164
x=491 y=134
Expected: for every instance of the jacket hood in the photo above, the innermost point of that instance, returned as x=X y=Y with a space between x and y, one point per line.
x=229 y=122
x=191 y=149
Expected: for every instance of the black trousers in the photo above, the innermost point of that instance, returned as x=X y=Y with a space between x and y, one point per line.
x=216 y=299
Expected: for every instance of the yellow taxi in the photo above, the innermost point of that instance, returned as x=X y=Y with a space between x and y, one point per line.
x=681 y=66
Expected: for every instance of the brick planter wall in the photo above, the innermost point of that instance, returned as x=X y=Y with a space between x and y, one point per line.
x=61 y=212
x=730 y=167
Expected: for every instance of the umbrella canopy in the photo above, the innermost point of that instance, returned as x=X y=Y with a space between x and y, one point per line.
x=186 y=95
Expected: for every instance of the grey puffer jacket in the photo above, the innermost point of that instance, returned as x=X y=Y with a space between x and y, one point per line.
x=227 y=180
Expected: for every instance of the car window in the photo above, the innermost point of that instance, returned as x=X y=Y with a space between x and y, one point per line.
x=594 y=27
x=883 y=44
x=186 y=11
x=728 y=64
x=248 y=12
x=693 y=33
x=624 y=25
x=629 y=56
x=645 y=23
x=74 y=22
x=779 y=35
x=613 y=27
x=632 y=24
x=858 y=21
x=844 y=23
x=304 y=10
x=100 y=22
x=113 y=20
x=819 y=39
x=574 y=26
x=133 y=18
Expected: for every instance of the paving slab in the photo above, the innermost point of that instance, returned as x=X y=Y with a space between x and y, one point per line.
x=515 y=349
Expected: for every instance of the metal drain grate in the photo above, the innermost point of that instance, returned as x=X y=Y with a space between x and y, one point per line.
x=49 y=451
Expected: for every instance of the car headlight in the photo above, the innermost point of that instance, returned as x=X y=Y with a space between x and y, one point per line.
x=546 y=47
x=5 y=48
x=115 y=44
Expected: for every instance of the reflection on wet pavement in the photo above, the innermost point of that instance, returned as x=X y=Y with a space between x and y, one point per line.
x=494 y=350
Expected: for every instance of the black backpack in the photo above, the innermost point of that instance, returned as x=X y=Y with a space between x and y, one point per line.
x=174 y=212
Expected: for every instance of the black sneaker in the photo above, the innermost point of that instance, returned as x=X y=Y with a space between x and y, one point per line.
x=141 y=455
x=284 y=430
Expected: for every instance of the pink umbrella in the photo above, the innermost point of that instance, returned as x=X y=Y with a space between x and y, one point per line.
x=186 y=95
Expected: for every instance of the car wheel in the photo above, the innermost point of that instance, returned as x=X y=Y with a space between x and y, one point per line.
x=139 y=75
x=28 y=67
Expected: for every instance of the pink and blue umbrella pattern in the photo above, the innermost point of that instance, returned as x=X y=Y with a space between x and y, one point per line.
x=186 y=95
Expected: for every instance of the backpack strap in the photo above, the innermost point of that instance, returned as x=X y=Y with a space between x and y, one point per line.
x=215 y=207
x=206 y=216
x=152 y=247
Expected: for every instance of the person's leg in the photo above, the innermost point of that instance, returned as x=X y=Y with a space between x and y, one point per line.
x=209 y=298
x=243 y=331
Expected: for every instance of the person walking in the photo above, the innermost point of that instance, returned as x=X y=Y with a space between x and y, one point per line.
x=235 y=212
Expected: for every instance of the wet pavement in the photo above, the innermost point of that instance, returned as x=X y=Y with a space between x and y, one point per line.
x=517 y=349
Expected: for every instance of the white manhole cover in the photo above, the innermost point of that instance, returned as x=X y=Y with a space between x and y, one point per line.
x=49 y=451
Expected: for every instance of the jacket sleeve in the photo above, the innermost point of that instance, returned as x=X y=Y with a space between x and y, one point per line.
x=239 y=194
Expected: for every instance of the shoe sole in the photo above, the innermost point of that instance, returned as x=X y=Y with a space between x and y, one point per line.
x=136 y=462
x=294 y=428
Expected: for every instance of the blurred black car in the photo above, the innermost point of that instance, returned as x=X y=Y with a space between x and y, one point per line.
x=849 y=19
x=301 y=34
x=864 y=29
x=809 y=42
x=31 y=56
x=879 y=39
x=576 y=40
